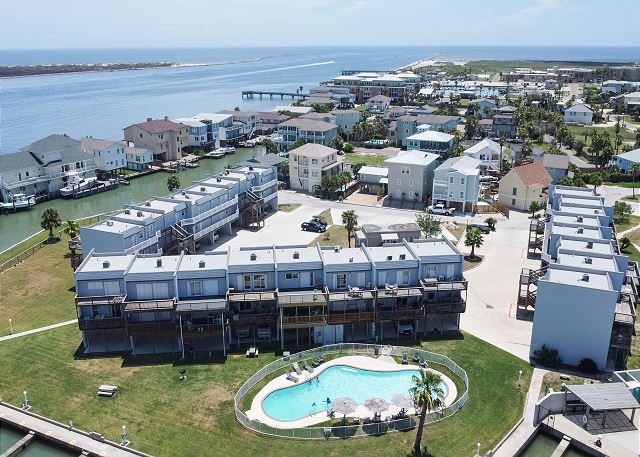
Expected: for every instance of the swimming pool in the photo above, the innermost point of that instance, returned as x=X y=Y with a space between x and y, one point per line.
x=304 y=399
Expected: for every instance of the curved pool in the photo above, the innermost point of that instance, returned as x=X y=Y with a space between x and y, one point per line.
x=301 y=400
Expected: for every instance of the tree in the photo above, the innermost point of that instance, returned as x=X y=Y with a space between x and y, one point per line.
x=50 y=220
x=625 y=242
x=473 y=239
x=350 y=222
x=173 y=182
x=336 y=143
x=596 y=180
x=635 y=168
x=565 y=181
x=428 y=396
x=621 y=211
x=491 y=222
x=236 y=108
x=430 y=225
x=348 y=148
x=72 y=228
x=534 y=207
x=270 y=146
x=637 y=143
x=355 y=168
x=472 y=127
x=297 y=144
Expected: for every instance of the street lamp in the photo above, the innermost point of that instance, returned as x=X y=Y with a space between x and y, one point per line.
x=25 y=401
x=519 y=376
x=478 y=451
x=10 y=327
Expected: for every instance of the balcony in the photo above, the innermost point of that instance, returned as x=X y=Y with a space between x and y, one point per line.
x=444 y=296
x=400 y=313
x=100 y=300
x=315 y=297
x=354 y=294
x=303 y=321
x=347 y=317
x=216 y=225
x=46 y=177
x=392 y=291
x=151 y=327
x=250 y=296
x=144 y=244
x=265 y=186
x=255 y=318
x=625 y=311
x=101 y=323
x=209 y=213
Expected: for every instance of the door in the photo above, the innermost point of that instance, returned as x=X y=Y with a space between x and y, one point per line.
x=449 y=271
x=160 y=290
x=112 y=288
x=211 y=288
x=144 y=292
x=306 y=279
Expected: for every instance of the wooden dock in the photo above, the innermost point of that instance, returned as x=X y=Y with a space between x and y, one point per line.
x=95 y=190
x=252 y=93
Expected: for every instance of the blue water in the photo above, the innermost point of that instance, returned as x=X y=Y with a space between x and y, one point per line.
x=101 y=104
x=296 y=402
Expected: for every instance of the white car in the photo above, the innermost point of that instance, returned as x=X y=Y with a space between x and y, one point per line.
x=441 y=209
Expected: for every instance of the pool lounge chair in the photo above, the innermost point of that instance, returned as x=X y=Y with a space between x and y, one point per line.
x=424 y=364
x=297 y=368
x=307 y=366
x=405 y=359
x=291 y=377
x=416 y=357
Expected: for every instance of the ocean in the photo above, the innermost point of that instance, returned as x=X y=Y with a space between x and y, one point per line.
x=100 y=104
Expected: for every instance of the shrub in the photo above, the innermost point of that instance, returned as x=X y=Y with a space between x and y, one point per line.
x=588 y=366
x=547 y=357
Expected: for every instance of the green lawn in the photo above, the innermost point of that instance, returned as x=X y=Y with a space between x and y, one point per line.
x=326 y=216
x=632 y=252
x=632 y=198
x=288 y=207
x=553 y=380
x=579 y=131
x=633 y=362
x=38 y=291
x=336 y=235
x=455 y=229
x=165 y=416
x=631 y=222
x=375 y=160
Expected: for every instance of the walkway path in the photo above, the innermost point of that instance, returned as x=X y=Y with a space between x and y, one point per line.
x=37 y=330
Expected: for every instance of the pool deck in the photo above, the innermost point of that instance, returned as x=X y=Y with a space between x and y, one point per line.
x=366 y=363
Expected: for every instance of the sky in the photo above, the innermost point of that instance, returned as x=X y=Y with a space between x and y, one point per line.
x=60 y=24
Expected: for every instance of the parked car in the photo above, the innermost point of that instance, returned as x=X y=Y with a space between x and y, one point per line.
x=483 y=228
x=441 y=209
x=313 y=226
x=264 y=332
x=405 y=328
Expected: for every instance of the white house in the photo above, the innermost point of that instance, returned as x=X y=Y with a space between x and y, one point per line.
x=488 y=152
x=579 y=114
x=631 y=100
x=109 y=155
x=137 y=158
x=378 y=104
x=411 y=174
x=309 y=163
x=457 y=182
x=430 y=141
x=197 y=131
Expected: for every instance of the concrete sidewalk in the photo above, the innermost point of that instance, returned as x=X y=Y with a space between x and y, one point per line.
x=37 y=330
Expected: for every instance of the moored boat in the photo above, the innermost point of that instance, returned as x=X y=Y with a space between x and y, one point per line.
x=77 y=183
x=18 y=202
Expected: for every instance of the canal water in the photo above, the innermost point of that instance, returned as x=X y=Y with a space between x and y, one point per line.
x=18 y=226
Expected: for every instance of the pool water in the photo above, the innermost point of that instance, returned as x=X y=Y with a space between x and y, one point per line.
x=305 y=398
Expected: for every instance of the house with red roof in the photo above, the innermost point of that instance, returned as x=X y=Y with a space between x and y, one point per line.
x=524 y=184
x=167 y=139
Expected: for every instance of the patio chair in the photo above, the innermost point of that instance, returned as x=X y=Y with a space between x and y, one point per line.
x=307 y=366
x=424 y=364
x=405 y=359
x=291 y=377
x=416 y=357
x=296 y=367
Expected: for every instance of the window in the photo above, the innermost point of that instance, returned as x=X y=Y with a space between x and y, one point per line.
x=405 y=170
x=450 y=179
x=405 y=277
x=314 y=161
x=195 y=288
x=514 y=191
x=410 y=195
x=430 y=271
x=399 y=182
x=259 y=281
x=314 y=174
x=513 y=202
x=450 y=194
x=289 y=276
x=247 y=281
x=461 y=194
x=462 y=181
x=411 y=183
x=341 y=280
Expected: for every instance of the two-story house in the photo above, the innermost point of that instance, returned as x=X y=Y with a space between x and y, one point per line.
x=456 y=182
x=310 y=131
x=523 y=185
x=504 y=123
x=430 y=141
x=411 y=175
x=137 y=158
x=309 y=163
x=109 y=155
x=407 y=125
x=488 y=152
x=166 y=138
x=378 y=104
x=345 y=119
x=579 y=114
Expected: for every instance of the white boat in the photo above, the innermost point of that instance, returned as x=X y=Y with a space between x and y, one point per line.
x=215 y=154
x=77 y=183
x=226 y=150
x=19 y=201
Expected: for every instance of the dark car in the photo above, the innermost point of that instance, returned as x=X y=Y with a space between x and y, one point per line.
x=483 y=228
x=313 y=226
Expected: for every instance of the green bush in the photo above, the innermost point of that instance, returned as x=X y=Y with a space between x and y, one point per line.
x=547 y=357
x=588 y=366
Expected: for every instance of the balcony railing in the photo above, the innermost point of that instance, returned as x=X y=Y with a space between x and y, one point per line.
x=249 y=319
x=303 y=321
x=100 y=300
x=345 y=317
x=195 y=329
x=265 y=186
x=101 y=323
x=143 y=244
x=146 y=327
x=216 y=225
x=209 y=213
x=315 y=297
x=46 y=177
x=400 y=314
x=250 y=296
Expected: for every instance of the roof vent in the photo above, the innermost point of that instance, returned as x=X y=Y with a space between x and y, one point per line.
x=184 y=192
x=253 y=257
x=106 y=264
x=580 y=230
x=250 y=167
x=585 y=277
x=403 y=256
x=149 y=119
x=202 y=189
x=159 y=263
x=580 y=219
x=296 y=255
x=127 y=211
x=588 y=260
x=147 y=203
x=139 y=214
x=201 y=264
x=389 y=257
x=109 y=223
x=186 y=196
x=218 y=179
x=336 y=249
x=589 y=244
x=350 y=259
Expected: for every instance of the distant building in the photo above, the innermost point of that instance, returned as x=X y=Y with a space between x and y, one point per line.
x=198 y=137
x=293 y=109
x=137 y=158
x=579 y=114
x=407 y=125
x=523 y=185
x=631 y=100
x=626 y=160
x=309 y=163
x=166 y=138
x=109 y=155
x=316 y=132
x=378 y=104
x=482 y=107
x=556 y=164
x=430 y=141
x=220 y=127
x=456 y=182
x=488 y=152
x=372 y=179
x=504 y=123
x=268 y=121
x=411 y=175
x=345 y=119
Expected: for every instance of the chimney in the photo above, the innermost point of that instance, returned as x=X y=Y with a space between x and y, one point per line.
x=201 y=264
x=159 y=263
x=149 y=119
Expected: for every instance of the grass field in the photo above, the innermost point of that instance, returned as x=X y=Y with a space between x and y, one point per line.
x=627 y=185
x=457 y=230
x=631 y=222
x=552 y=380
x=326 y=216
x=167 y=417
x=579 y=131
x=336 y=235
x=375 y=160
x=632 y=252
x=288 y=207
x=38 y=291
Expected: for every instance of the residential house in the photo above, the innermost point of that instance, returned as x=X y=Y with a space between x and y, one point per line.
x=43 y=166
x=323 y=117
x=482 y=108
x=109 y=155
x=523 y=185
x=299 y=110
x=167 y=139
x=631 y=100
x=486 y=125
x=345 y=119
x=376 y=235
x=579 y=114
x=247 y=121
x=411 y=175
x=137 y=158
x=268 y=121
x=373 y=180
x=309 y=163
x=617 y=87
x=488 y=152
x=378 y=104
x=407 y=125
x=556 y=164
x=626 y=160
x=430 y=141
x=316 y=132
x=504 y=123
x=220 y=127
x=198 y=132
x=456 y=182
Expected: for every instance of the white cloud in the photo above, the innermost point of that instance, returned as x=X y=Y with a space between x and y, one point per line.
x=532 y=11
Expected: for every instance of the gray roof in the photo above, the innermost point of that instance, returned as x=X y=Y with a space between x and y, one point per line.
x=555 y=161
x=314 y=150
x=432 y=119
x=308 y=124
x=267 y=159
x=605 y=397
x=28 y=156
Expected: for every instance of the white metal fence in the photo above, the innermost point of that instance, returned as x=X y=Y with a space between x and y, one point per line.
x=356 y=430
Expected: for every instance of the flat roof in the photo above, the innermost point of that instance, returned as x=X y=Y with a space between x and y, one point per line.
x=576 y=191
x=576 y=231
x=381 y=253
x=254 y=169
x=186 y=196
x=164 y=206
x=96 y=263
x=331 y=257
x=429 y=248
x=580 y=261
x=150 y=264
x=305 y=254
x=605 y=397
x=431 y=135
x=112 y=226
x=243 y=257
x=211 y=262
x=587 y=221
x=587 y=211
x=205 y=188
x=590 y=200
x=136 y=215
x=213 y=181
x=214 y=118
x=575 y=278
x=581 y=246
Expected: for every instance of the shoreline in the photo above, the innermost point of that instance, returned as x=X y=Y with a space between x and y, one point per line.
x=23 y=71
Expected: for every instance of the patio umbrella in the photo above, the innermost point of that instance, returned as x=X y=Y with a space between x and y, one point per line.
x=403 y=401
x=377 y=405
x=344 y=405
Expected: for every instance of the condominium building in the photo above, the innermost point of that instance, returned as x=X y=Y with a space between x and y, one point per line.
x=42 y=167
x=286 y=295
x=308 y=130
x=585 y=292
x=309 y=163
x=166 y=138
x=243 y=195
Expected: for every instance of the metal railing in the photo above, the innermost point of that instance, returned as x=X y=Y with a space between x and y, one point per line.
x=211 y=212
x=216 y=225
x=265 y=186
x=356 y=430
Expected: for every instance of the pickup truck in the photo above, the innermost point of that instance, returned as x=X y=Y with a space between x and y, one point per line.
x=441 y=209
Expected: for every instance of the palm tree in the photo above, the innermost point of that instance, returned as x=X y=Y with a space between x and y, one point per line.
x=50 y=220
x=350 y=221
x=635 y=168
x=473 y=239
x=596 y=180
x=534 y=207
x=491 y=222
x=427 y=395
x=72 y=228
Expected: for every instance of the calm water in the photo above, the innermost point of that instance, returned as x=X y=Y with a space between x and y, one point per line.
x=542 y=446
x=15 y=227
x=9 y=437
x=337 y=381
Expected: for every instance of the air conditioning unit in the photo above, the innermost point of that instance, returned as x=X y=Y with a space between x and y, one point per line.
x=581 y=230
x=585 y=277
x=253 y=257
x=403 y=256
x=201 y=264
x=202 y=189
x=159 y=263
x=106 y=264
x=296 y=255
x=127 y=211
x=139 y=214
x=389 y=257
x=589 y=244
x=147 y=203
x=588 y=260
x=350 y=259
